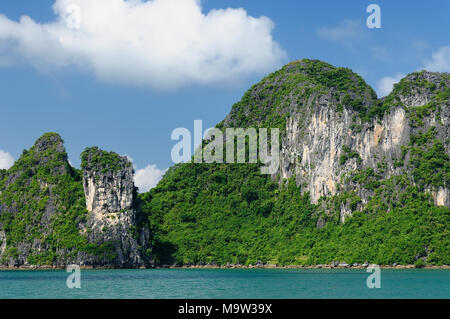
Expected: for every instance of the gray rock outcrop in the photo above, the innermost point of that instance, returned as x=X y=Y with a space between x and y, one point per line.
x=111 y=201
x=312 y=153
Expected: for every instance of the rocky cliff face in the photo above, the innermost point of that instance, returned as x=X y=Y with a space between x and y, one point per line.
x=111 y=201
x=344 y=152
x=52 y=214
x=335 y=126
x=313 y=153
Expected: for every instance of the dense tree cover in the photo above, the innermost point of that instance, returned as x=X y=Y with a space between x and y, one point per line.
x=204 y=213
x=293 y=89
x=109 y=161
x=44 y=203
x=230 y=213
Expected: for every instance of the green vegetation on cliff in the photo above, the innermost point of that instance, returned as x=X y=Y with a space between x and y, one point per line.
x=209 y=213
x=42 y=205
x=205 y=213
x=231 y=213
x=294 y=88
x=94 y=157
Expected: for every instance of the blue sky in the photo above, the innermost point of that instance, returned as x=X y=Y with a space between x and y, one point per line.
x=120 y=99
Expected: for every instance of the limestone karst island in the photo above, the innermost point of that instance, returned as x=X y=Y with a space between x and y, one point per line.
x=361 y=180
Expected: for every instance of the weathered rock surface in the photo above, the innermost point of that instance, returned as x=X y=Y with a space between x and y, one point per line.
x=111 y=201
x=47 y=224
x=333 y=126
x=312 y=152
x=328 y=133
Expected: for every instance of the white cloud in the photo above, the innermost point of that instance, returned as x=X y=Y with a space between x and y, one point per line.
x=386 y=84
x=148 y=177
x=440 y=60
x=344 y=31
x=6 y=160
x=159 y=43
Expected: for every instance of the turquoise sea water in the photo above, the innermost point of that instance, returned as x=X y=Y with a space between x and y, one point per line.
x=226 y=283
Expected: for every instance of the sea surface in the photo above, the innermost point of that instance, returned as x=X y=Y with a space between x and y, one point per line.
x=226 y=283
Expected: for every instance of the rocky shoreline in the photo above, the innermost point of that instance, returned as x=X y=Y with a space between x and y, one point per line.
x=268 y=266
x=238 y=266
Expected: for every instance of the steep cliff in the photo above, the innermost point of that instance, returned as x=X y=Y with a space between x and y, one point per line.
x=46 y=219
x=385 y=162
x=334 y=126
x=361 y=179
x=326 y=155
x=111 y=201
x=41 y=206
